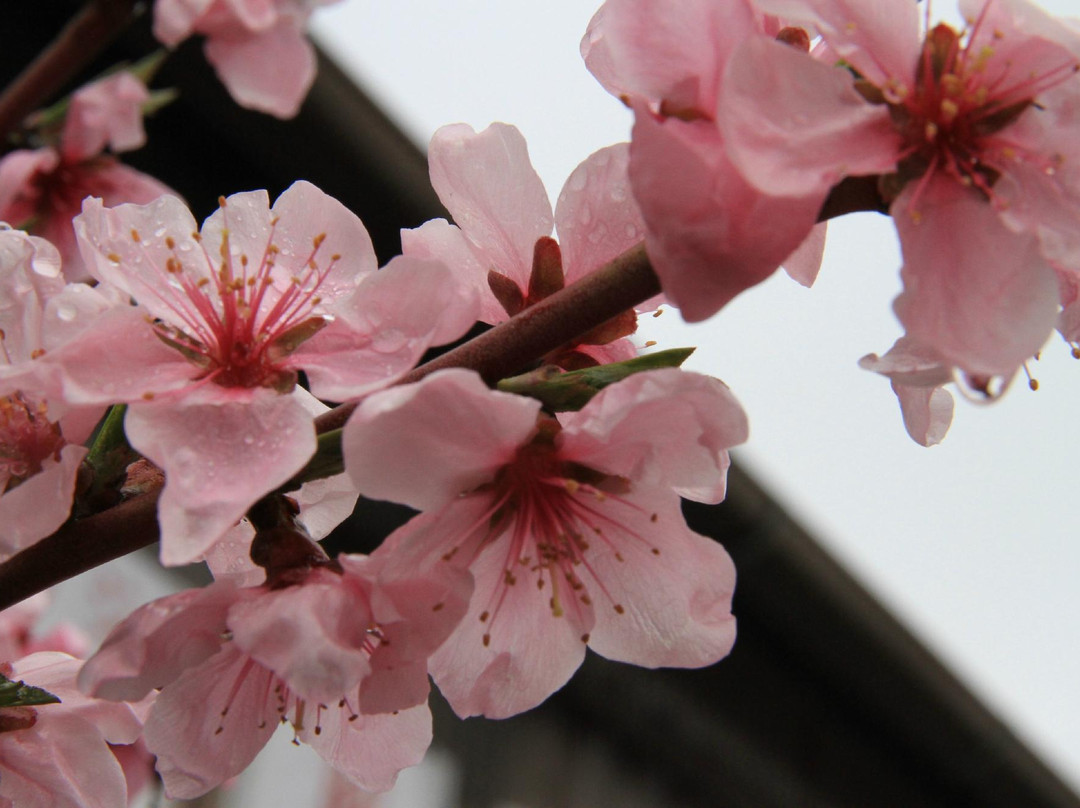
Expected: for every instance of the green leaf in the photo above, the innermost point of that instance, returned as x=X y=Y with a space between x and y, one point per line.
x=20 y=694
x=562 y=391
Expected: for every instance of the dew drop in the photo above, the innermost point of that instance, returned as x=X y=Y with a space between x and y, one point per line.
x=388 y=340
x=46 y=267
x=576 y=181
x=66 y=313
x=160 y=231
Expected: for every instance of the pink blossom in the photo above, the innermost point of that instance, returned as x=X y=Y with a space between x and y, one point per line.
x=39 y=434
x=572 y=530
x=42 y=190
x=339 y=655
x=257 y=47
x=57 y=755
x=502 y=240
x=104 y=113
x=972 y=134
x=709 y=232
x=226 y=319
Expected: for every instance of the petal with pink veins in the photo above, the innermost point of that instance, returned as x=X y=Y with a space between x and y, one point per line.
x=210 y=454
x=979 y=294
x=710 y=234
x=270 y=72
x=796 y=127
x=398 y=446
x=664 y=427
x=489 y=186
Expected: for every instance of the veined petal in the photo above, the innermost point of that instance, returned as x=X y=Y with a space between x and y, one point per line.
x=312 y=636
x=674 y=587
x=383 y=329
x=664 y=427
x=270 y=71
x=979 y=294
x=795 y=126
x=711 y=234
x=371 y=749
x=596 y=216
x=489 y=186
x=199 y=744
x=424 y=444
x=208 y=453
x=528 y=654
x=158 y=641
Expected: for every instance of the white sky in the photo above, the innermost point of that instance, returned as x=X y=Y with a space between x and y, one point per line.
x=972 y=543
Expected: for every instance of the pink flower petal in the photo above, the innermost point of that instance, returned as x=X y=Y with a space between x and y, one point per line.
x=979 y=294
x=795 y=126
x=399 y=444
x=529 y=654
x=371 y=749
x=312 y=636
x=880 y=39
x=198 y=746
x=804 y=263
x=270 y=72
x=383 y=329
x=489 y=186
x=664 y=427
x=158 y=641
x=41 y=503
x=596 y=216
x=105 y=112
x=710 y=233
x=671 y=53
x=675 y=602
x=208 y=453
x=439 y=240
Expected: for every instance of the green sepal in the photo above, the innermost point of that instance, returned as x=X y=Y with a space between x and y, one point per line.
x=109 y=456
x=327 y=461
x=20 y=694
x=563 y=391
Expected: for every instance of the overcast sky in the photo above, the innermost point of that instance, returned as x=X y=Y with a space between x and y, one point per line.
x=972 y=543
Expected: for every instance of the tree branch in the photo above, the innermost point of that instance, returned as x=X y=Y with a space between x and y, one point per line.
x=83 y=38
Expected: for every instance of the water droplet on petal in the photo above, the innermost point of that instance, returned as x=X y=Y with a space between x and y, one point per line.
x=576 y=181
x=388 y=340
x=66 y=313
x=47 y=267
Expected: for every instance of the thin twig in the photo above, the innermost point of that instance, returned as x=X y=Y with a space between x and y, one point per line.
x=87 y=34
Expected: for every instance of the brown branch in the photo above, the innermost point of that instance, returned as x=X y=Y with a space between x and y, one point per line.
x=504 y=350
x=554 y=321
x=83 y=38
x=79 y=546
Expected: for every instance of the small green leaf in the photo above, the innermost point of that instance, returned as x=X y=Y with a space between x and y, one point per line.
x=20 y=694
x=562 y=391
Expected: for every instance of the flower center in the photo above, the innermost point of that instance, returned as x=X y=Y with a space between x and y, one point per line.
x=548 y=514
x=965 y=93
x=240 y=317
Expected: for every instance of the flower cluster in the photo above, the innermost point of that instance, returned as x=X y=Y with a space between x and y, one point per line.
x=145 y=358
